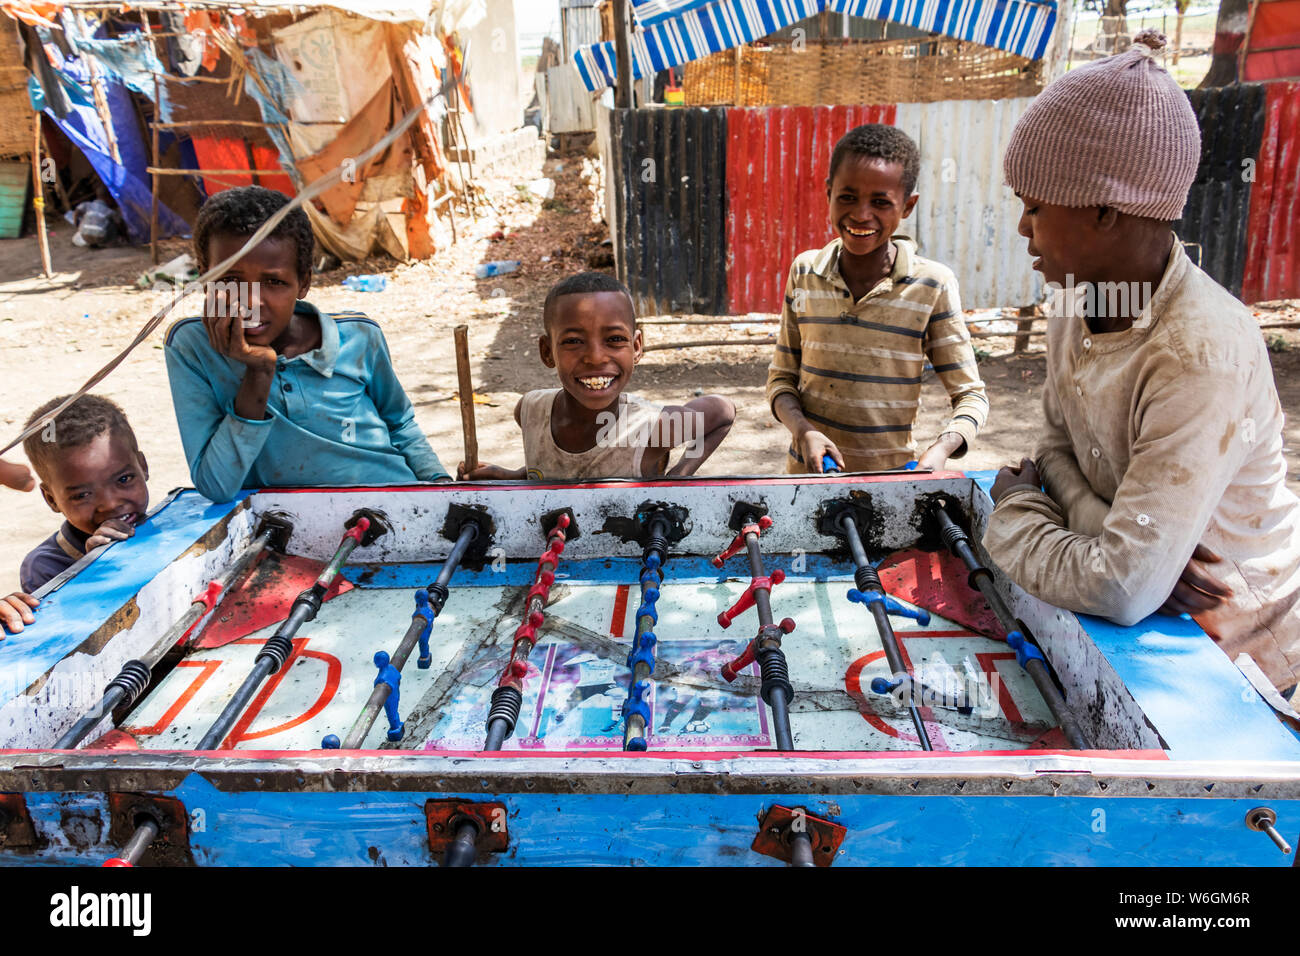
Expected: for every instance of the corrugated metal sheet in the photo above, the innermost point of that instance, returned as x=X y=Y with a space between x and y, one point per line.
x=570 y=107
x=580 y=27
x=777 y=158
x=1272 y=266
x=965 y=217
x=670 y=204
x=1218 y=205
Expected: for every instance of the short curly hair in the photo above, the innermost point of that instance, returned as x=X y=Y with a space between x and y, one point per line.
x=878 y=141
x=583 y=283
x=77 y=425
x=241 y=211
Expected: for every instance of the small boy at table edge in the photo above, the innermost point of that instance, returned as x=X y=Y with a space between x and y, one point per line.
x=93 y=473
x=270 y=391
x=590 y=428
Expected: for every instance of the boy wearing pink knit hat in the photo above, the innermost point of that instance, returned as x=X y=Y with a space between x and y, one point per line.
x=1162 y=447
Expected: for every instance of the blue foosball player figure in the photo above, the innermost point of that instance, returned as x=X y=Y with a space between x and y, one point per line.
x=390 y=675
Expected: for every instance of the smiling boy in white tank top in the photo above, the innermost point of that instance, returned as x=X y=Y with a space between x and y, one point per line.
x=589 y=428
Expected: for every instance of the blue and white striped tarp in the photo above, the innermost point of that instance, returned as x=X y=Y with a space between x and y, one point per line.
x=673 y=32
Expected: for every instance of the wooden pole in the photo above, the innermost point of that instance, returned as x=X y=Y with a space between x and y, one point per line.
x=157 y=161
x=1023 y=324
x=466 y=388
x=735 y=77
x=38 y=196
x=623 y=52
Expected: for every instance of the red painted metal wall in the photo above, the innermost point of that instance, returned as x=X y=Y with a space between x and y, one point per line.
x=1273 y=237
x=777 y=158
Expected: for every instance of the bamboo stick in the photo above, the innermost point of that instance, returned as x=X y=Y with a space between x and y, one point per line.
x=38 y=196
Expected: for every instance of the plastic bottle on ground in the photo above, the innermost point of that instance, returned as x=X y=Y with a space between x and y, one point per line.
x=370 y=283
x=499 y=268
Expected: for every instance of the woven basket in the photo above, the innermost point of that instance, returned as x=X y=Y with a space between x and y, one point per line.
x=15 y=108
x=850 y=72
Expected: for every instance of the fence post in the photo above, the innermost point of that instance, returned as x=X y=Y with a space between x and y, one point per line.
x=1024 y=324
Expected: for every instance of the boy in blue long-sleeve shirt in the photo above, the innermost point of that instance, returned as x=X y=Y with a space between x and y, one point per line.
x=270 y=391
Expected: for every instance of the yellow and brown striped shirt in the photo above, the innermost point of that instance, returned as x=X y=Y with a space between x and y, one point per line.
x=856 y=367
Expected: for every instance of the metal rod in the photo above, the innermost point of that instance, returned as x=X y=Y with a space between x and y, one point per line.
x=144 y=835
x=130 y=681
x=508 y=696
x=280 y=646
x=958 y=543
x=776 y=697
x=634 y=728
x=357 y=735
x=801 y=851
x=885 y=628
x=462 y=851
x=781 y=720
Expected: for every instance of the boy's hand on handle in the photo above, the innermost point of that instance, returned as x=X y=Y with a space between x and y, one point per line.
x=1011 y=477
x=1196 y=591
x=813 y=445
x=16 y=610
x=114 y=529
x=486 y=472
x=226 y=335
x=17 y=477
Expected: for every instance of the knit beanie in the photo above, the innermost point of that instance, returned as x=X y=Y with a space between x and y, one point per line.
x=1118 y=132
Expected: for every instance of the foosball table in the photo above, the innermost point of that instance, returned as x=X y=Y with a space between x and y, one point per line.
x=801 y=670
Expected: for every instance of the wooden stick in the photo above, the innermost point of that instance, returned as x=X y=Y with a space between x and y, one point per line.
x=38 y=196
x=765 y=340
x=461 y=334
x=153 y=177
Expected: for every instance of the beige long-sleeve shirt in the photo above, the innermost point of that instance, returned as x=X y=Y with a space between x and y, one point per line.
x=1156 y=438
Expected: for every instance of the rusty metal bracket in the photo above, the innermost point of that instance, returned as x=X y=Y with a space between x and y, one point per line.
x=172 y=845
x=442 y=817
x=780 y=824
x=16 y=827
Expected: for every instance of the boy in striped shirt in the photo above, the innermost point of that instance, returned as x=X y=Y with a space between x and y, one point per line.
x=861 y=316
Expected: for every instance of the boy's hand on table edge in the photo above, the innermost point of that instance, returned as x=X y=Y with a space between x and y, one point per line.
x=16 y=610
x=813 y=445
x=15 y=476
x=487 y=472
x=114 y=529
x=935 y=458
x=1195 y=590
x=1011 y=477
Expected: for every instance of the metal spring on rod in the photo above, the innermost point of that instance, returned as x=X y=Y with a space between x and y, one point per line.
x=506 y=702
x=132 y=679
x=277 y=651
x=866 y=578
x=776 y=673
x=438 y=594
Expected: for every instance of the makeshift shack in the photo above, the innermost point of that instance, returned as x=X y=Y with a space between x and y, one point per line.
x=171 y=102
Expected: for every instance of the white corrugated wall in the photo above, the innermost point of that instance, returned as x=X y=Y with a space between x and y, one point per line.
x=966 y=218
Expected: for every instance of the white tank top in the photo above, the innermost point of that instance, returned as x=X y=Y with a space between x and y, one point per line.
x=618 y=452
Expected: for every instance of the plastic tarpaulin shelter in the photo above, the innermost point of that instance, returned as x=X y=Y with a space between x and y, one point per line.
x=128 y=183
x=392 y=11
x=678 y=31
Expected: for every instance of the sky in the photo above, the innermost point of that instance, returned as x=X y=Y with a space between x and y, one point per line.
x=533 y=20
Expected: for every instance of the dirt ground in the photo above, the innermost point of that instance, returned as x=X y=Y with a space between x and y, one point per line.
x=55 y=333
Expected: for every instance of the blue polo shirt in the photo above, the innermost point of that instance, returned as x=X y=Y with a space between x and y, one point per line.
x=336 y=415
